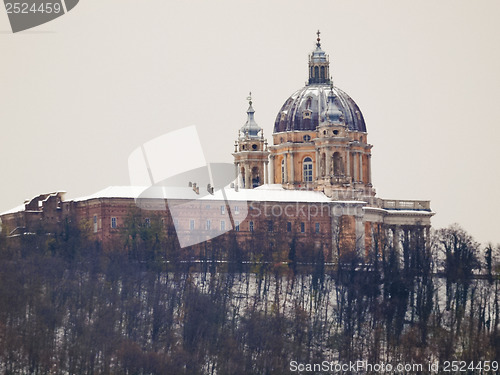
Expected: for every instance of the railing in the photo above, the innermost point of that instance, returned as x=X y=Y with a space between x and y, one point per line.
x=391 y=204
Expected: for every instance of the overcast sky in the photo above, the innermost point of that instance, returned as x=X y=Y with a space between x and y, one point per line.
x=78 y=94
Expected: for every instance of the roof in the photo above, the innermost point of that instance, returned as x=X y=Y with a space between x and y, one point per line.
x=114 y=192
x=313 y=98
x=264 y=193
x=13 y=210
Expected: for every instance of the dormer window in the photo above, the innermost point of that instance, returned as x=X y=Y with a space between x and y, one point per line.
x=306 y=114
x=308 y=102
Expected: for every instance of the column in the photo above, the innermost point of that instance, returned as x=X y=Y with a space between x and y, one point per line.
x=236 y=174
x=360 y=167
x=241 y=183
x=285 y=158
x=318 y=162
x=248 y=178
x=271 y=170
x=292 y=169
x=348 y=160
x=355 y=164
x=360 y=235
x=369 y=167
x=328 y=163
x=266 y=172
x=395 y=238
x=427 y=237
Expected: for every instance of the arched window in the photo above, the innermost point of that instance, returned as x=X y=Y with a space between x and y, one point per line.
x=308 y=169
x=322 y=72
x=316 y=72
x=283 y=171
x=255 y=177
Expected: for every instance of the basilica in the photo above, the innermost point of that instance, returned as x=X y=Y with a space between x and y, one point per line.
x=312 y=186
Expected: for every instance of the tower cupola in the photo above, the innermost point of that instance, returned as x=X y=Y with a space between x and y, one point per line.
x=250 y=129
x=319 y=65
x=251 y=156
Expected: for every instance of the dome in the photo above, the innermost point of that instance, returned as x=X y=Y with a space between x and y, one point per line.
x=250 y=129
x=304 y=110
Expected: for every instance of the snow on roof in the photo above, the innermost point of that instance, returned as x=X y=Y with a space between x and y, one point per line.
x=14 y=210
x=271 y=193
x=349 y=202
x=400 y=212
x=54 y=194
x=265 y=193
x=114 y=192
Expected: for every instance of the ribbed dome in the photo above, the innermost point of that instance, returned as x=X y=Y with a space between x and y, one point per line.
x=304 y=110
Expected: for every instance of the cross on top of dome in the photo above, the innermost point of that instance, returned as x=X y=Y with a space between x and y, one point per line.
x=319 y=64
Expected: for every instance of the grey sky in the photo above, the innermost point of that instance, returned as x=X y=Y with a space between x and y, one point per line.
x=77 y=95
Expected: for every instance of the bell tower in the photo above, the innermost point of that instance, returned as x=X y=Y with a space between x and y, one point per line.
x=251 y=153
x=344 y=156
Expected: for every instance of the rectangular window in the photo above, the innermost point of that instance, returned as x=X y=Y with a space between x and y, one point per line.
x=237 y=226
x=251 y=226
x=302 y=227
x=269 y=226
x=222 y=210
x=289 y=227
x=308 y=170
x=236 y=210
x=113 y=222
x=191 y=224
x=222 y=225
x=209 y=224
x=147 y=222
x=316 y=227
x=95 y=223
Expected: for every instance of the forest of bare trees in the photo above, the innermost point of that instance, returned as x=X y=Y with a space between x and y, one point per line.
x=67 y=307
